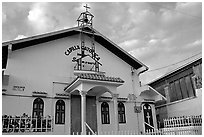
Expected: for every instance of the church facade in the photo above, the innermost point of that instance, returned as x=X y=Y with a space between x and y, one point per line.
x=74 y=81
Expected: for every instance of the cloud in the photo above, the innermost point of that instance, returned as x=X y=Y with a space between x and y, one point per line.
x=153 y=41
x=20 y=37
x=155 y=33
x=130 y=44
x=193 y=9
x=194 y=44
x=35 y=14
x=197 y=42
x=40 y=20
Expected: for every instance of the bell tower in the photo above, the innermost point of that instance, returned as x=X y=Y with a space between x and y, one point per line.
x=85 y=18
x=85 y=24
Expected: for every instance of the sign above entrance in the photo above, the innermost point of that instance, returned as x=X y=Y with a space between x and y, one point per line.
x=77 y=47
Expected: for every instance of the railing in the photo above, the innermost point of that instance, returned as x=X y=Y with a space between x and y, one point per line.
x=90 y=129
x=183 y=121
x=186 y=125
x=153 y=128
x=109 y=133
x=24 y=123
x=190 y=130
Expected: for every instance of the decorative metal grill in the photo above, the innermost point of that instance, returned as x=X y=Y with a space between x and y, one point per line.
x=26 y=123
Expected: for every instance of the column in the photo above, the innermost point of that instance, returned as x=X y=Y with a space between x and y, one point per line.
x=83 y=112
x=115 y=107
x=166 y=89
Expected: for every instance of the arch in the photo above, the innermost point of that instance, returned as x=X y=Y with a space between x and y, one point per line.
x=60 y=112
x=99 y=90
x=105 y=116
x=121 y=113
x=38 y=108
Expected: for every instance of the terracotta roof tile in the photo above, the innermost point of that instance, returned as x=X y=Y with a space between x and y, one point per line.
x=100 y=77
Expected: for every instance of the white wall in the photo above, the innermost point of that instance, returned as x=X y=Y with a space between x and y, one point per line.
x=37 y=67
x=187 y=107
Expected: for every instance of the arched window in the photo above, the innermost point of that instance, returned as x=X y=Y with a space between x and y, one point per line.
x=148 y=118
x=121 y=113
x=60 y=112
x=38 y=107
x=105 y=113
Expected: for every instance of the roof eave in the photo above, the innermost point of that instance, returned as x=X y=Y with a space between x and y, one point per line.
x=114 y=48
x=174 y=71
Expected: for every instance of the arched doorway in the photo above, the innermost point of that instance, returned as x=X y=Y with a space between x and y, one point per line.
x=148 y=118
x=91 y=109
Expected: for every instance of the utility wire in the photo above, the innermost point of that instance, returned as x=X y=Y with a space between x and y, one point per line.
x=173 y=63
x=161 y=6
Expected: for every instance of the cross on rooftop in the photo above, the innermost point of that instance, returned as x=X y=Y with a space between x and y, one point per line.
x=86 y=6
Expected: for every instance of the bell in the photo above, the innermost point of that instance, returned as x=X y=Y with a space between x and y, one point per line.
x=86 y=19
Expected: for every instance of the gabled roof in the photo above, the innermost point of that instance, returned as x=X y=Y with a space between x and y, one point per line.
x=101 y=39
x=175 y=70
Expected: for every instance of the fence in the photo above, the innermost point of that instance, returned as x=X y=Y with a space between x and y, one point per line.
x=24 y=123
x=185 y=125
x=193 y=130
x=109 y=133
x=189 y=130
x=183 y=121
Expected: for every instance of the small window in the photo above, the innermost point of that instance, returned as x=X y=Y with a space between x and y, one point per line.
x=60 y=112
x=121 y=113
x=105 y=113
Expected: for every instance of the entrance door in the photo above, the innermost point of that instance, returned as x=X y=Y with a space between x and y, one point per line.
x=75 y=114
x=148 y=116
x=91 y=118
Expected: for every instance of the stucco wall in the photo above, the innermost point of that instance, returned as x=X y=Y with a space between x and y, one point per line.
x=37 y=67
x=192 y=106
x=40 y=67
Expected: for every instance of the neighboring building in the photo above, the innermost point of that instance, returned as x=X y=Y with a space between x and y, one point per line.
x=182 y=88
x=78 y=79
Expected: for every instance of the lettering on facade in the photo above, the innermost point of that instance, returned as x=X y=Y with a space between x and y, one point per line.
x=18 y=88
x=77 y=47
x=72 y=48
x=83 y=63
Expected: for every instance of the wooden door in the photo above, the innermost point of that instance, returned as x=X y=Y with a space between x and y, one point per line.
x=75 y=114
x=91 y=118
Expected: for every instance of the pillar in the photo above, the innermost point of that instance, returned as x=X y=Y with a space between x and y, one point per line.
x=83 y=112
x=167 y=92
x=115 y=106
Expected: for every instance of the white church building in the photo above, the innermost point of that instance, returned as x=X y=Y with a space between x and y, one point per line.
x=74 y=81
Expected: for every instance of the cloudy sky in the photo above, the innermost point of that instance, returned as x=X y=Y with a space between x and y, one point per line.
x=157 y=34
